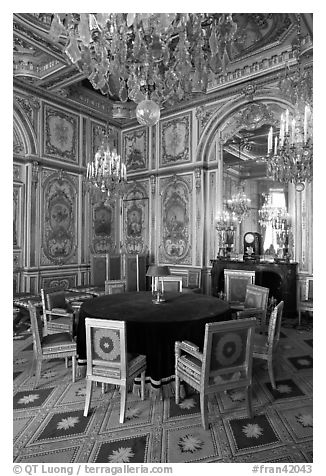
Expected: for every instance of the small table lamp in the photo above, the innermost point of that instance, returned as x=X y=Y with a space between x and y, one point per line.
x=156 y=272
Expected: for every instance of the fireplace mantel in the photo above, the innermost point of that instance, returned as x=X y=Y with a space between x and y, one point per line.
x=280 y=278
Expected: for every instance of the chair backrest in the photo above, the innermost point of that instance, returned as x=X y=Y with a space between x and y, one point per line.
x=194 y=278
x=115 y=286
x=235 y=284
x=135 y=271
x=106 y=349
x=53 y=297
x=99 y=269
x=305 y=288
x=115 y=267
x=227 y=354
x=256 y=297
x=274 y=327
x=36 y=325
x=171 y=283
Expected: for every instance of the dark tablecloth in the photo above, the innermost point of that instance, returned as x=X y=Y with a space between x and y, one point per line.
x=152 y=329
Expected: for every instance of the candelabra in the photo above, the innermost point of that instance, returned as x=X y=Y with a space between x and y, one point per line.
x=289 y=159
x=290 y=156
x=106 y=174
x=278 y=219
x=225 y=225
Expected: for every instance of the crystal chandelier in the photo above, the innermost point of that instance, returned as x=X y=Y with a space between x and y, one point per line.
x=290 y=155
x=106 y=174
x=149 y=58
x=278 y=217
x=239 y=205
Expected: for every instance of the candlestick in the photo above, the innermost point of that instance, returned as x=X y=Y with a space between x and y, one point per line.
x=305 y=124
x=270 y=140
x=107 y=266
x=287 y=121
x=137 y=271
x=275 y=145
x=293 y=131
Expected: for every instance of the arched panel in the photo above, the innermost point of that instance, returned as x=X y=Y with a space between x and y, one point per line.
x=25 y=141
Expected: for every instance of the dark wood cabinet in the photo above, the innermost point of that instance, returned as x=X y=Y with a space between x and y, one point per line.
x=280 y=278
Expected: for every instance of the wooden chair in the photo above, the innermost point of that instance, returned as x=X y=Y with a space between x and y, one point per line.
x=255 y=305
x=171 y=283
x=265 y=346
x=224 y=364
x=135 y=266
x=58 y=315
x=108 y=361
x=304 y=295
x=235 y=285
x=54 y=346
x=115 y=286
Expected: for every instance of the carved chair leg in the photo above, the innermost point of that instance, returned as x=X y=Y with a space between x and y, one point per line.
x=271 y=373
x=177 y=388
x=204 y=410
x=88 y=396
x=123 y=399
x=249 y=401
x=38 y=372
x=73 y=364
x=142 y=386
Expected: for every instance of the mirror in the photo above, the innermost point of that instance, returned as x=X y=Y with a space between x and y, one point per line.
x=266 y=209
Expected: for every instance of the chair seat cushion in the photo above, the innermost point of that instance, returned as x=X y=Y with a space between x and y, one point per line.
x=190 y=364
x=59 y=342
x=260 y=344
x=63 y=323
x=136 y=364
x=59 y=311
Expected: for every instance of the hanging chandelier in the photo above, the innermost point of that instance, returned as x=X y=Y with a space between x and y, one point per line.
x=150 y=58
x=239 y=205
x=290 y=155
x=268 y=214
x=106 y=174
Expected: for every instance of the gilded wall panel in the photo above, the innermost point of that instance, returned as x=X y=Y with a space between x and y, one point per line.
x=60 y=134
x=65 y=282
x=102 y=239
x=135 y=149
x=136 y=219
x=98 y=131
x=175 y=143
x=59 y=218
x=176 y=206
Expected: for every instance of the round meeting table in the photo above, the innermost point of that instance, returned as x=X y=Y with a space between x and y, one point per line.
x=152 y=329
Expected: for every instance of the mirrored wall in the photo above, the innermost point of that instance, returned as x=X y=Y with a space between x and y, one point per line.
x=252 y=201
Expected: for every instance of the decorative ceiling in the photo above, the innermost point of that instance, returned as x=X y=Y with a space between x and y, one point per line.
x=40 y=62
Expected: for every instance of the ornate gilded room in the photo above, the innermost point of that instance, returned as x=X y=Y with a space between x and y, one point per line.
x=162 y=238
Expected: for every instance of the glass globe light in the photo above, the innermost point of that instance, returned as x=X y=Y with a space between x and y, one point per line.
x=299 y=187
x=148 y=113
